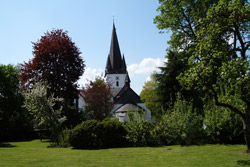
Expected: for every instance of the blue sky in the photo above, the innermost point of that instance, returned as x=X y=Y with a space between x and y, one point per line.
x=89 y=24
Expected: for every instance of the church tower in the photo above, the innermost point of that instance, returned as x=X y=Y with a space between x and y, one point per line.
x=116 y=74
x=116 y=69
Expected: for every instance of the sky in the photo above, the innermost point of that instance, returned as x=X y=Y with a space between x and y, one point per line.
x=89 y=24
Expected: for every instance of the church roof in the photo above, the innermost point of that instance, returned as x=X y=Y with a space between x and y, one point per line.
x=115 y=63
x=127 y=95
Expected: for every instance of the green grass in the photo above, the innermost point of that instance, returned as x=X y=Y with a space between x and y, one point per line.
x=36 y=154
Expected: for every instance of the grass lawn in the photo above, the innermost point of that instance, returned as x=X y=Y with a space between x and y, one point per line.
x=35 y=153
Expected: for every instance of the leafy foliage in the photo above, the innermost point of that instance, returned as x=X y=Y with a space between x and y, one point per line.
x=221 y=57
x=93 y=134
x=41 y=106
x=140 y=133
x=181 y=17
x=150 y=97
x=181 y=125
x=97 y=95
x=14 y=120
x=57 y=61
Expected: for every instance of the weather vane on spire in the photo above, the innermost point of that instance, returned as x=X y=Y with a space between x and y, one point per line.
x=113 y=18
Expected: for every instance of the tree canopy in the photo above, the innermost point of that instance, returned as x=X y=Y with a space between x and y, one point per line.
x=97 y=95
x=57 y=61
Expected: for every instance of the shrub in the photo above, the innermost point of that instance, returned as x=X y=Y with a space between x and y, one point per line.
x=63 y=138
x=140 y=133
x=112 y=133
x=223 y=126
x=84 y=135
x=181 y=125
x=94 y=134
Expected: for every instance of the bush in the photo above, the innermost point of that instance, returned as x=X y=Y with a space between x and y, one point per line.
x=63 y=138
x=112 y=133
x=94 y=134
x=223 y=126
x=180 y=126
x=140 y=133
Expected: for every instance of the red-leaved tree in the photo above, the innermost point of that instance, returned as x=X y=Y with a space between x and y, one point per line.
x=57 y=61
x=97 y=95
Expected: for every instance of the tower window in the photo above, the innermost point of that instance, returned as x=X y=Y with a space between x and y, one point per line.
x=117 y=83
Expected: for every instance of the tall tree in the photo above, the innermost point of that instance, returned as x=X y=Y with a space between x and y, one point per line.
x=57 y=61
x=13 y=118
x=181 y=18
x=97 y=95
x=221 y=58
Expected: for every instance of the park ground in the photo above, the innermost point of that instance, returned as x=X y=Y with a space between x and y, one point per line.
x=37 y=154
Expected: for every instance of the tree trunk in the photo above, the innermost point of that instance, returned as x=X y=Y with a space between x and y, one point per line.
x=246 y=128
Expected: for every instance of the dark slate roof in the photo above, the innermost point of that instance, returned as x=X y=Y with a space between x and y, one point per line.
x=127 y=95
x=115 y=63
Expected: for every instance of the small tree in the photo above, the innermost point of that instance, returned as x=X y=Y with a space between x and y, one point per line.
x=97 y=95
x=41 y=106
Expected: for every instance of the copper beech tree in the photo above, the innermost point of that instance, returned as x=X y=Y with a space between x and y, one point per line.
x=57 y=61
x=97 y=95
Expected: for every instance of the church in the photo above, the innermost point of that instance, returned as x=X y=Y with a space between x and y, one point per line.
x=116 y=74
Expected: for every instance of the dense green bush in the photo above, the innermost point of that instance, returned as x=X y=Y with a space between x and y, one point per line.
x=223 y=126
x=140 y=133
x=94 y=134
x=180 y=126
x=112 y=133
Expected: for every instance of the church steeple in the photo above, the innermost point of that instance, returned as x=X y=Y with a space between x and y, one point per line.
x=115 y=64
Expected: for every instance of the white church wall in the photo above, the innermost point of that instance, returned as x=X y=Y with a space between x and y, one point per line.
x=113 y=79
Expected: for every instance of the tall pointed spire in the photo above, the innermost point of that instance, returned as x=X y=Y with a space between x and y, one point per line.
x=115 y=63
x=115 y=54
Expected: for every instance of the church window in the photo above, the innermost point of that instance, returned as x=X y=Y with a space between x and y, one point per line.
x=117 y=77
x=117 y=83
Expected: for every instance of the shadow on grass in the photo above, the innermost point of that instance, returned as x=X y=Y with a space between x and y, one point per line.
x=8 y=145
x=243 y=162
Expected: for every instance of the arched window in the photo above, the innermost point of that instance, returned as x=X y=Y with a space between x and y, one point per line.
x=117 y=83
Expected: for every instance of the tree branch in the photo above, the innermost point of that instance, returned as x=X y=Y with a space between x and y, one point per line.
x=218 y=103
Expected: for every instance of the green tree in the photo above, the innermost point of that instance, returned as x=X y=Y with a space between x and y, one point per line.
x=41 y=106
x=220 y=58
x=181 y=17
x=13 y=118
x=150 y=97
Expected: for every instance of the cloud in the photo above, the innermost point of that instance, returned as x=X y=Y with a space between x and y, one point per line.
x=146 y=66
x=89 y=75
x=140 y=73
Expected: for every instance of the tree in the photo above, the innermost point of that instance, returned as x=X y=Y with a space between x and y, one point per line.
x=181 y=18
x=150 y=97
x=41 y=106
x=97 y=95
x=14 y=120
x=220 y=58
x=57 y=61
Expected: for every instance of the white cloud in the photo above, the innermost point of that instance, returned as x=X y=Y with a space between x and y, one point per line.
x=146 y=66
x=89 y=75
x=139 y=73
